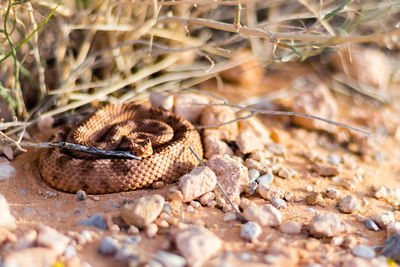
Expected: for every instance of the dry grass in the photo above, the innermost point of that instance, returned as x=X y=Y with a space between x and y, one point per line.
x=88 y=52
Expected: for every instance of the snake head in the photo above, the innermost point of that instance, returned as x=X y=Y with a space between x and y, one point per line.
x=141 y=147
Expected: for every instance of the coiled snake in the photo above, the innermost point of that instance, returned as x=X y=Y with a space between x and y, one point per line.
x=161 y=138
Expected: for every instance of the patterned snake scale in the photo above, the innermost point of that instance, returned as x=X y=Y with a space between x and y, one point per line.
x=169 y=159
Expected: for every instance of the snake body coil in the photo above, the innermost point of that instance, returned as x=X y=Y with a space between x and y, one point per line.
x=161 y=138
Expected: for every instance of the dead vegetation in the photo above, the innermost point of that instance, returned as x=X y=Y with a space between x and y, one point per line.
x=58 y=58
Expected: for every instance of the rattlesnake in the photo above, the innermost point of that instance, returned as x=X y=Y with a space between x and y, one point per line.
x=161 y=138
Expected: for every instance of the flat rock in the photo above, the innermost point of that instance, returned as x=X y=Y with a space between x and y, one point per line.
x=231 y=175
x=326 y=225
x=197 y=244
x=6 y=219
x=143 y=211
x=265 y=215
x=41 y=257
x=199 y=181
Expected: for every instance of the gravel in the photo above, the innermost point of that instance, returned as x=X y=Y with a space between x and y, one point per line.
x=266 y=179
x=278 y=203
x=80 y=195
x=109 y=245
x=349 y=204
x=169 y=259
x=371 y=225
x=363 y=251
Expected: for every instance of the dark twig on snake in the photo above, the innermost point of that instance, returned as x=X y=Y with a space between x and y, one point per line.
x=92 y=150
x=240 y=216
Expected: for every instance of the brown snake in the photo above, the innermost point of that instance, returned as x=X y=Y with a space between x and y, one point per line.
x=161 y=138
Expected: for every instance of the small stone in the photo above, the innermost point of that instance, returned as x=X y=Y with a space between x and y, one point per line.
x=325 y=170
x=363 y=251
x=284 y=173
x=7 y=171
x=195 y=204
x=278 y=203
x=326 y=225
x=251 y=188
x=289 y=196
x=49 y=237
x=80 y=195
x=39 y=256
x=158 y=184
x=292 y=228
x=109 y=245
x=315 y=199
x=333 y=159
x=6 y=219
x=190 y=209
x=391 y=248
x=253 y=175
x=230 y=216
x=265 y=215
x=133 y=230
x=384 y=219
x=197 y=244
x=162 y=100
x=269 y=192
x=349 y=204
x=96 y=220
x=212 y=203
x=332 y=193
x=143 y=211
x=371 y=225
x=199 y=181
x=337 y=240
x=70 y=252
x=162 y=223
x=231 y=175
x=214 y=146
x=393 y=228
x=206 y=198
x=250 y=231
x=169 y=259
x=247 y=142
x=266 y=179
x=151 y=230
x=271 y=259
x=127 y=254
x=382 y=192
x=244 y=257
x=309 y=188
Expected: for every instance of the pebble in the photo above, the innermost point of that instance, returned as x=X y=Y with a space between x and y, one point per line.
x=253 y=175
x=326 y=225
x=195 y=204
x=250 y=231
x=284 y=173
x=132 y=240
x=244 y=256
x=96 y=220
x=230 y=216
x=231 y=175
x=289 y=196
x=371 y=225
x=70 y=251
x=309 y=188
x=214 y=146
x=109 y=245
x=269 y=192
x=7 y=171
x=271 y=259
x=126 y=253
x=143 y=211
x=333 y=159
x=278 y=203
x=315 y=198
x=325 y=170
x=391 y=248
x=190 y=209
x=51 y=238
x=363 y=251
x=266 y=179
x=251 y=188
x=169 y=259
x=265 y=215
x=332 y=193
x=384 y=219
x=6 y=219
x=349 y=204
x=80 y=195
x=393 y=228
x=206 y=198
x=199 y=181
x=292 y=228
x=197 y=244
x=151 y=230
x=162 y=100
x=247 y=142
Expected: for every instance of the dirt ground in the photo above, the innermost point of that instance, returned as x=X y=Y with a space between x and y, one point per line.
x=378 y=165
